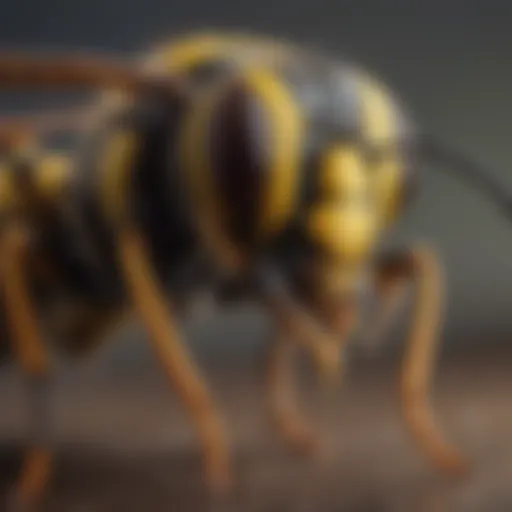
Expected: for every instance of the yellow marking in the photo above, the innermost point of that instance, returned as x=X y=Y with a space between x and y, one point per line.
x=380 y=127
x=52 y=176
x=286 y=136
x=377 y=110
x=343 y=231
x=193 y=49
x=115 y=172
x=344 y=225
x=183 y=54
x=340 y=173
x=194 y=161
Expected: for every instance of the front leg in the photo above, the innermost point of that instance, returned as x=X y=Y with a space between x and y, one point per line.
x=288 y=420
x=420 y=266
x=150 y=304
x=29 y=351
x=319 y=339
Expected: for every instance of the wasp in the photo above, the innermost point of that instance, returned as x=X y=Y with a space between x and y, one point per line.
x=259 y=168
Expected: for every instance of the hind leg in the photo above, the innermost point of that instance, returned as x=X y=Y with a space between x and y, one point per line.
x=29 y=351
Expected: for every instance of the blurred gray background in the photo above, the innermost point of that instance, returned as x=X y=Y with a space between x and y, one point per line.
x=451 y=63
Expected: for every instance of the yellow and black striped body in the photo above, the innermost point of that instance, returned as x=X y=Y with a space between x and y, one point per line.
x=278 y=153
x=281 y=146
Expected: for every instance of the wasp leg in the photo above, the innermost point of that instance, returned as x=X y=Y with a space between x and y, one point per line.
x=153 y=310
x=420 y=265
x=29 y=350
x=284 y=413
x=289 y=422
x=319 y=341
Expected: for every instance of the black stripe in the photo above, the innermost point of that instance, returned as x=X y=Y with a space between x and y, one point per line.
x=239 y=134
x=80 y=241
x=160 y=203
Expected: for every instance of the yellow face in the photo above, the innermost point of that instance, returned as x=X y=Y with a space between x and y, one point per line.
x=345 y=223
x=361 y=194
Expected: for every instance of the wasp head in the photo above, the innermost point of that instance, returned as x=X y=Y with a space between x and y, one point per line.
x=342 y=227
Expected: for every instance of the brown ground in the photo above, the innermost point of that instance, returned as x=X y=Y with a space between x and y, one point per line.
x=126 y=446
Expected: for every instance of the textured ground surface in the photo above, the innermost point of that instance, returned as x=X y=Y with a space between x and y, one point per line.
x=124 y=445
